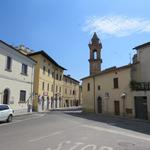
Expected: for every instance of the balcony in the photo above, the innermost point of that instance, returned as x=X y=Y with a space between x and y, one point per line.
x=140 y=86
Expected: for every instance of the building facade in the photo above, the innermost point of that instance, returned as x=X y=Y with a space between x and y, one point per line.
x=16 y=79
x=121 y=91
x=108 y=92
x=140 y=81
x=48 y=83
x=71 y=92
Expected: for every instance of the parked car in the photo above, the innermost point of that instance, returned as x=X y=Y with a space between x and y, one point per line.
x=6 y=113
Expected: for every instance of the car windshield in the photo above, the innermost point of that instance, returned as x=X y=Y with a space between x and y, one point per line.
x=3 y=107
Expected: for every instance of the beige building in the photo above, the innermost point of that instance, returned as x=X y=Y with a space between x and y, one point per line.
x=118 y=91
x=108 y=92
x=16 y=79
x=140 y=83
x=48 y=82
x=71 y=91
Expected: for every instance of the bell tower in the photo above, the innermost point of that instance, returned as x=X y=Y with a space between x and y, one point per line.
x=95 y=55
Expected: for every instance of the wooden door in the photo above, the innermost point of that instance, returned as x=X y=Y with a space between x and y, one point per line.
x=117 y=107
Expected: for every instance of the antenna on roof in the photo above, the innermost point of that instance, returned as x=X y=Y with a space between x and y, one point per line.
x=130 y=59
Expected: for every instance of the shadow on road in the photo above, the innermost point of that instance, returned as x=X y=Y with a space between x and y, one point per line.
x=125 y=123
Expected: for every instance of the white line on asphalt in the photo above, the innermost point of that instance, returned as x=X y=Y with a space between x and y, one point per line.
x=17 y=121
x=135 y=135
x=46 y=136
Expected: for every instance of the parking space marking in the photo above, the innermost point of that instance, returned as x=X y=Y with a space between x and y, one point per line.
x=139 y=136
x=46 y=136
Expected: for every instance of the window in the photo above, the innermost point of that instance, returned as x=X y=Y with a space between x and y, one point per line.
x=60 y=89
x=115 y=80
x=22 y=96
x=43 y=86
x=8 y=63
x=49 y=72
x=24 y=69
x=88 y=87
x=65 y=91
x=56 y=88
x=60 y=78
x=56 y=76
x=48 y=87
x=52 y=88
x=3 y=107
x=44 y=69
x=95 y=54
x=74 y=92
x=70 y=92
x=99 y=87
x=53 y=74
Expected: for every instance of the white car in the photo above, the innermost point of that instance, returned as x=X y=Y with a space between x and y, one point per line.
x=6 y=113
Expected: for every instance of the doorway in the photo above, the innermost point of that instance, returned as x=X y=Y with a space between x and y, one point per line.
x=6 y=96
x=141 y=107
x=117 y=107
x=99 y=104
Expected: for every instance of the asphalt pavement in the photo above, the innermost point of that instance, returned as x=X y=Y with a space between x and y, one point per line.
x=74 y=131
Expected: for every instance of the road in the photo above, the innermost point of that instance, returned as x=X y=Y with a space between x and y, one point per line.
x=59 y=131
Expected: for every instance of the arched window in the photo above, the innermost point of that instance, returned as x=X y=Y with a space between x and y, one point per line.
x=6 y=96
x=95 y=54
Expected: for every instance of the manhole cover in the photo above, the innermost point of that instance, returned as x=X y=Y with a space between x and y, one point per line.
x=126 y=144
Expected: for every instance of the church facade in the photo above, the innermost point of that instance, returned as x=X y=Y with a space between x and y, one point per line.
x=110 y=91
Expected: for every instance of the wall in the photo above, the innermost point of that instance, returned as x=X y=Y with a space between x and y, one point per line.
x=88 y=96
x=105 y=81
x=14 y=80
x=69 y=85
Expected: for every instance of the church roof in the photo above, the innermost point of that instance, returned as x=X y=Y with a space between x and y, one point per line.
x=142 y=46
x=95 y=37
x=108 y=70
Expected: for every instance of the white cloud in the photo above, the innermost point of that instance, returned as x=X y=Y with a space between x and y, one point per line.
x=116 y=25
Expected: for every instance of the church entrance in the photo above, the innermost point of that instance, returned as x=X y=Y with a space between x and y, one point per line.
x=99 y=104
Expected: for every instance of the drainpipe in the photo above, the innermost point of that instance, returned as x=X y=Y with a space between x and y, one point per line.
x=94 y=94
x=32 y=83
x=54 y=100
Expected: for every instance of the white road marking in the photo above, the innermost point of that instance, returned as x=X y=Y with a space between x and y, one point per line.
x=60 y=145
x=46 y=136
x=76 y=145
x=135 y=135
x=91 y=146
x=106 y=148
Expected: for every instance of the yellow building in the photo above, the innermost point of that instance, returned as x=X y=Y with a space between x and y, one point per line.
x=47 y=83
x=71 y=95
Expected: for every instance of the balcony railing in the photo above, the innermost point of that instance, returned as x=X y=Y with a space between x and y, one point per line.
x=140 y=86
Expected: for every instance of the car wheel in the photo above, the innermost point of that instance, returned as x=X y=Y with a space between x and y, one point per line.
x=9 y=118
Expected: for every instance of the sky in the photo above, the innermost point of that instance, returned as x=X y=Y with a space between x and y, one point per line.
x=64 y=28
